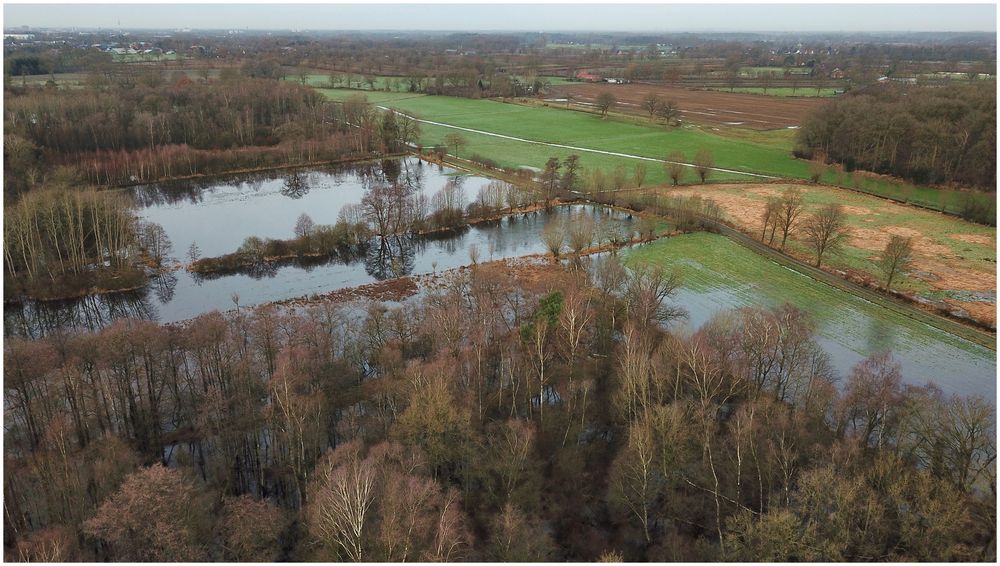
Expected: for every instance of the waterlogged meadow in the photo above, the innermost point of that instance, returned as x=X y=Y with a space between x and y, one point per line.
x=720 y=274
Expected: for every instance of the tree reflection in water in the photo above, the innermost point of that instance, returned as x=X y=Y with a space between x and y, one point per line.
x=36 y=319
x=163 y=286
x=390 y=257
x=296 y=186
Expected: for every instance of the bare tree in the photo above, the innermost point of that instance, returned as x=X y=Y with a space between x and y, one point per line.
x=250 y=529
x=816 y=170
x=342 y=494
x=873 y=399
x=647 y=290
x=304 y=226
x=651 y=104
x=569 y=178
x=553 y=235
x=455 y=141
x=788 y=212
x=897 y=257
x=826 y=230
x=766 y=79
x=518 y=537
x=668 y=112
x=675 y=166
x=769 y=218
x=605 y=102
x=639 y=174
x=550 y=181
x=580 y=232
x=634 y=481
x=703 y=163
x=157 y=515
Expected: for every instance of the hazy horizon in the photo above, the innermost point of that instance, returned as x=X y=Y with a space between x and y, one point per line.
x=644 y=18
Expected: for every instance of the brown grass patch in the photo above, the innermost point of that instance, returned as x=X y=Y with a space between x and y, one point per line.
x=744 y=204
x=979 y=310
x=974 y=239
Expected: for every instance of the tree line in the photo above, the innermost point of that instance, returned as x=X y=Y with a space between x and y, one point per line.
x=501 y=418
x=925 y=135
x=154 y=129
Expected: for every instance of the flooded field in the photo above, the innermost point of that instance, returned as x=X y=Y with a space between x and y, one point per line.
x=719 y=274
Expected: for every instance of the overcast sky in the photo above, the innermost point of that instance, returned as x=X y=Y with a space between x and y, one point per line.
x=486 y=17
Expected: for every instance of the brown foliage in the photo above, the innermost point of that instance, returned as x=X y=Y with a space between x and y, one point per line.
x=156 y=515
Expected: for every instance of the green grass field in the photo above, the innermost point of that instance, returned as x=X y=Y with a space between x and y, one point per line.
x=352 y=82
x=718 y=273
x=767 y=153
x=579 y=129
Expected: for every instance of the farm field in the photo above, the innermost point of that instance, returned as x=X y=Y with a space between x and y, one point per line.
x=758 y=71
x=762 y=152
x=954 y=260
x=718 y=274
x=582 y=130
x=719 y=109
x=782 y=91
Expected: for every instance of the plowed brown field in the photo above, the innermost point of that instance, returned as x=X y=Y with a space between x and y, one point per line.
x=701 y=106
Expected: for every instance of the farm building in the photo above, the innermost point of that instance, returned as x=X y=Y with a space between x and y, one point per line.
x=585 y=76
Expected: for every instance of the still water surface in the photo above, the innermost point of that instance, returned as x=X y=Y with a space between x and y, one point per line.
x=216 y=216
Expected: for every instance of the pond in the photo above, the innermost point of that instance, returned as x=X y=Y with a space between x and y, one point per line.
x=216 y=217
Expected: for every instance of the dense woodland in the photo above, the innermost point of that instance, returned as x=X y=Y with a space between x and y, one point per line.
x=503 y=418
x=929 y=135
x=125 y=132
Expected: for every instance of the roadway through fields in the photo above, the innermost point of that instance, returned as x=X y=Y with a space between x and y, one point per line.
x=574 y=148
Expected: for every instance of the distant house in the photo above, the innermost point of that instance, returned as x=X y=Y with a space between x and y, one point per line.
x=585 y=76
x=837 y=74
x=615 y=81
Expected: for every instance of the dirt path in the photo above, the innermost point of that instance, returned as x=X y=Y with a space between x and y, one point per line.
x=572 y=147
